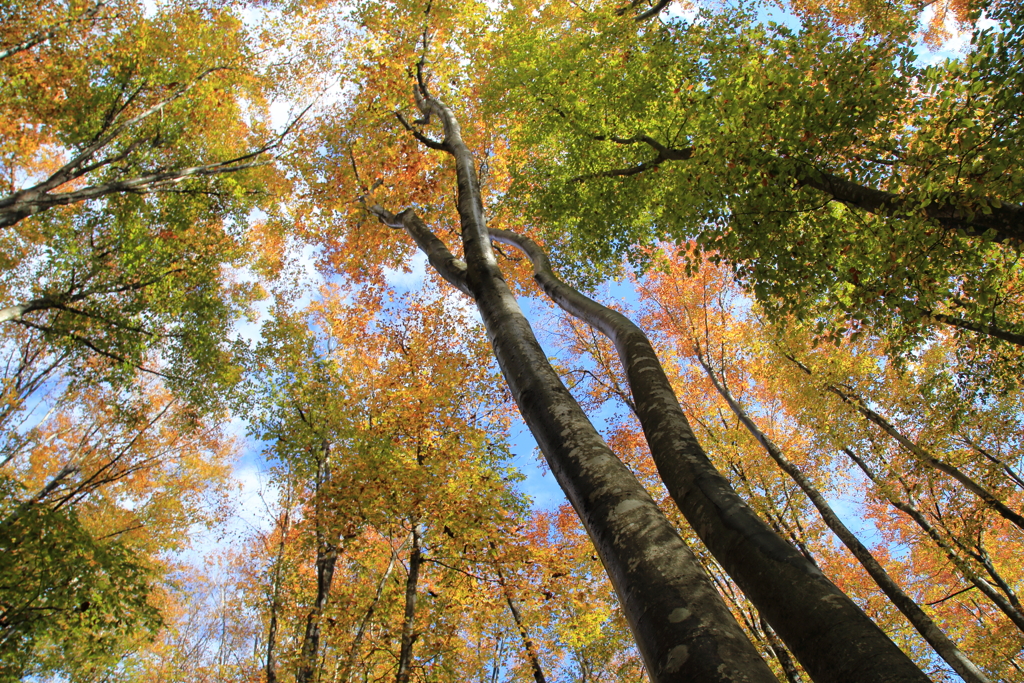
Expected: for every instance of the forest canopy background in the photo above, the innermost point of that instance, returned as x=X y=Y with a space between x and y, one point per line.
x=821 y=225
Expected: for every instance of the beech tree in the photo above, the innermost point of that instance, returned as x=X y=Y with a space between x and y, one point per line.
x=561 y=430
x=133 y=149
x=387 y=428
x=831 y=170
x=601 y=129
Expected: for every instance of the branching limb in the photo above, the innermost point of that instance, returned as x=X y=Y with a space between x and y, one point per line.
x=45 y=329
x=42 y=36
x=664 y=154
x=646 y=14
x=432 y=144
x=38 y=198
x=992 y=329
x=447 y=265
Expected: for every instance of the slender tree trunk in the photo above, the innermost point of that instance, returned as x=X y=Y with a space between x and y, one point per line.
x=345 y=671
x=326 y=559
x=781 y=653
x=270 y=666
x=922 y=454
x=928 y=629
x=682 y=627
x=524 y=635
x=827 y=632
x=409 y=634
x=964 y=567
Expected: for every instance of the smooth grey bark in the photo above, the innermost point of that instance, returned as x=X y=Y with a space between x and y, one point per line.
x=34 y=200
x=922 y=454
x=827 y=632
x=928 y=629
x=1011 y=473
x=524 y=635
x=327 y=548
x=1000 y=600
x=780 y=653
x=409 y=634
x=682 y=627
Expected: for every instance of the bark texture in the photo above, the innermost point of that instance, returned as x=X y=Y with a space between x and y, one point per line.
x=831 y=637
x=683 y=629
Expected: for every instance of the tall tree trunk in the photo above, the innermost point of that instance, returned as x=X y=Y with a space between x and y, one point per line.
x=270 y=665
x=827 y=632
x=524 y=635
x=964 y=567
x=409 y=634
x=326 y=559
x=928 y=629
x=682 y=628
x=922 y=454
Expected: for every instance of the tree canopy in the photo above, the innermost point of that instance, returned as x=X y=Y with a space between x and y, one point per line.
x=790 y=451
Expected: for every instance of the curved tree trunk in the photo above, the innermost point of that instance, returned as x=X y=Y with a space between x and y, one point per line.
x=831 y=637
x=683 y=629
x=928 y=629
x=990 y=591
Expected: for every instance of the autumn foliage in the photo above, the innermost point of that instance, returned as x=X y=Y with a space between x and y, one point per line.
x=262 y=366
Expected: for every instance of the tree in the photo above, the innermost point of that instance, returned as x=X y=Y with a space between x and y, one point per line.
x=553 y=417
x=389 y=426
x=694 y=315
x=129 y=166
x=95 y=497
x=365 y=431
x=829 y=170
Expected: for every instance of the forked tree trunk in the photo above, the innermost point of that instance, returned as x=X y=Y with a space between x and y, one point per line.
x=827 y=632
x=682 y=627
